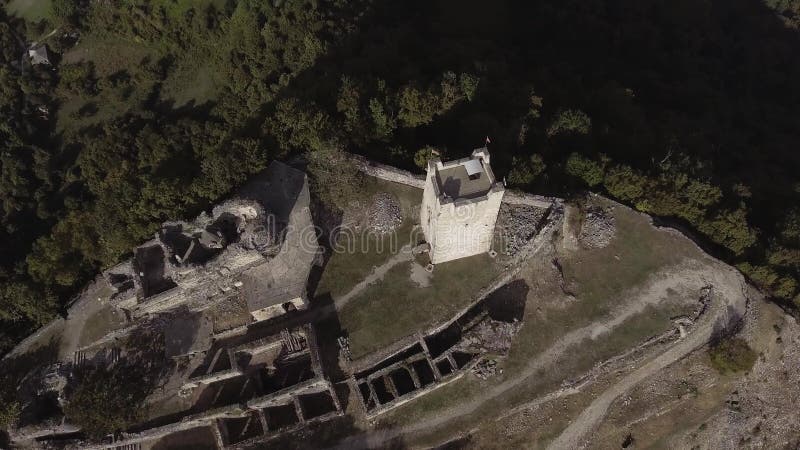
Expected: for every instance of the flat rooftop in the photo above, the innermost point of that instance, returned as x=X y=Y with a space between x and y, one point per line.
x=455 y=181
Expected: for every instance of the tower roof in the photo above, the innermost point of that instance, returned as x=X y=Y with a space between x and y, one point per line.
x=465 y=178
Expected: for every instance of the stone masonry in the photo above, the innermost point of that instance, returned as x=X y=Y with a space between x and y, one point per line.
x=460 y=204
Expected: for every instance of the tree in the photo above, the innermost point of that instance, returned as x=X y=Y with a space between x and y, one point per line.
x=579 y=166
x=469 y=85
x=570 y=121
x=334 y=179
x=103 y=402
x=299 y=126
x=416 y=107
x=383 y=123
x=347 y=103
x=64 y=11
x=526 y=170
x=730 y=229
x=21 y=302
x=625 y=183
x=424 y=154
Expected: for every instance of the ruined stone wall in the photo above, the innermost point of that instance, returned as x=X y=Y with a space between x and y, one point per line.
x=515 y=197
x=388 y=173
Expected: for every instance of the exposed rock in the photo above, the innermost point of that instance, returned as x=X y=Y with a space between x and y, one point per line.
x=598 y=228
x=489 y=335
x=485 y=368
x=518 y=225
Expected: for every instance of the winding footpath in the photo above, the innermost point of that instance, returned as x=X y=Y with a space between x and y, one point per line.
x=727 y=303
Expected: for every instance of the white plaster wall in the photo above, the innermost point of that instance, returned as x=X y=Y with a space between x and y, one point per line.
x=464 y=229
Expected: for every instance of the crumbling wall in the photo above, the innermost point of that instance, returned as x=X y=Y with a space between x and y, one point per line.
x=388 y=173
x=515 y=197
x=436 y=359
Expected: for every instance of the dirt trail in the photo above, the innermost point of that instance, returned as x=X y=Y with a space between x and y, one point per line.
x=377 y=274
x=728 y=286
x=727 y=302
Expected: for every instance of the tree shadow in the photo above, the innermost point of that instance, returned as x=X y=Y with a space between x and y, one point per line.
x=329 y=330
x=23 y=379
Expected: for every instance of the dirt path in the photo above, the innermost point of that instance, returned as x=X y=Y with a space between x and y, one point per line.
x=377 y=274
x=693 y=274
x=726 y=304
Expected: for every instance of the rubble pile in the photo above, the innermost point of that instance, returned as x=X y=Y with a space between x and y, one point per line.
x=519 y=224
x=598 y=228
x=344 y=348
x=491 y=336
x=257 y=229
x=485 y=368
x=385 y=214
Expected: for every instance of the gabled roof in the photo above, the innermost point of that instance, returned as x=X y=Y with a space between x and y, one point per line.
x=38 y=55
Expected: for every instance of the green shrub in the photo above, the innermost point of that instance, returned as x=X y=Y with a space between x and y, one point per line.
x=591 y=172
x=9 y=413
x=570 y=121
x=732 y=355
x=469 y=85
x=422 y=156
x=526 y=170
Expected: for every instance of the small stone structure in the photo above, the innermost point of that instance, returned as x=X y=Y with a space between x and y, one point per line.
x=460 y=203
x=38 y=55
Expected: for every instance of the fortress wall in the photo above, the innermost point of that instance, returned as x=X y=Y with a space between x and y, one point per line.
x=515 y=197
x=388 y=173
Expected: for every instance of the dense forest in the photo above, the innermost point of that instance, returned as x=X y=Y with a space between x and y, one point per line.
x=154 y=110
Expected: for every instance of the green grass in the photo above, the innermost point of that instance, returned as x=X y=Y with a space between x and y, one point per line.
x=109 y=54
x=347 y=268
x=30 y=10
x=598 y=278
x=396 y=306
x=109 y=57
x=108 y=103
x=197 y=85
x=637 y=251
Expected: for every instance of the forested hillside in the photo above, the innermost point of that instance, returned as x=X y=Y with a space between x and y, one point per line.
x=154 y=110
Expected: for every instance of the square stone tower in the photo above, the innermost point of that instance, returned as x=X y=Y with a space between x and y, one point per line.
x=460 y=204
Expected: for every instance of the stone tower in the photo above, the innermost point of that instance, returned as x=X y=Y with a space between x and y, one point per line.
x=460 y=204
